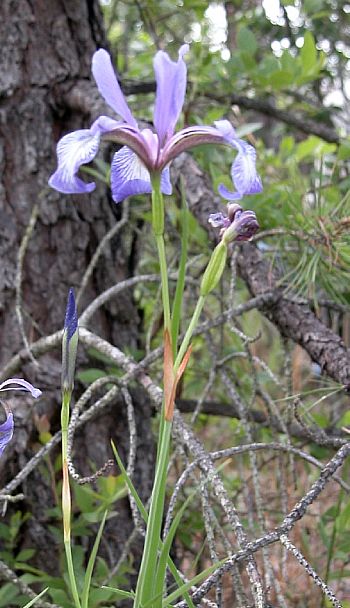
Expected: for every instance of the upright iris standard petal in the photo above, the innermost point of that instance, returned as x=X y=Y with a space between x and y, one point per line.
x=69 y=344
x=15 y=384
x=6 y=432
x=129 y=176
x=108 y=86
x=171 y=78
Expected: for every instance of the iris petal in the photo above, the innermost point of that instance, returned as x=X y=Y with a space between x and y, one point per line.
x=129 y=176
x=108 y=86
x=243 y=170
x=73 y=150
x=218 y=220
x=76 y=149
x=6 y=432
x=171 y=78
x=20 y=385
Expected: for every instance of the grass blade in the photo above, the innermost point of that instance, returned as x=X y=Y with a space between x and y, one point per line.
x=197 y=579
x=91 y=563
x=33 y=601
x=144 y=516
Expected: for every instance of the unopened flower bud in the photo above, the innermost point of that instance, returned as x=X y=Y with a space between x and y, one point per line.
x=214 y=269
x=69 y=344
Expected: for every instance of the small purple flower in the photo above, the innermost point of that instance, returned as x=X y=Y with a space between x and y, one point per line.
x=145 y=153
x=238 y=225
x=6 y=429
x=69 y=343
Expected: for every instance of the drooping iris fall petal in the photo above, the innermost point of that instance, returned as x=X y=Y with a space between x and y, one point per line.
x=7 y=427
x=6 y=432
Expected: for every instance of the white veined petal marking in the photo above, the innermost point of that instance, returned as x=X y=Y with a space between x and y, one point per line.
x=129 y=166
x=76 y=149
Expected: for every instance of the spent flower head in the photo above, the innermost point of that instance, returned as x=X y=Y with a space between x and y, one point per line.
x=7 y=427
x=146 y=153
x=238 y=225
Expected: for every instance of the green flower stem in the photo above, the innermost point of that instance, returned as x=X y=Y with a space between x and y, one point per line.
x=210 y=279
x=158 y=229
x=164 y=279
x=66 y=500
x=188 y=335
x=146 y=579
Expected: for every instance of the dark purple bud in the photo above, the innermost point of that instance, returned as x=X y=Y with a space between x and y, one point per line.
x=69 y=344
x=71 y=319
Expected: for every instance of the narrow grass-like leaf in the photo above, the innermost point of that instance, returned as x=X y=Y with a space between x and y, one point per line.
x=164 y=555
x=180 y=285
x=186 y=586
x=33 y=601
x=91 y=563
x=145 y=582
x=144 y=516
x=120 y=593
x=130 y=485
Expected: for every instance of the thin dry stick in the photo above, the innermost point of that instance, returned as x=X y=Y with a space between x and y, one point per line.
x=310 y=571
x=18 y=280
x=288 y=523
x=101 y=246
x=210 y=534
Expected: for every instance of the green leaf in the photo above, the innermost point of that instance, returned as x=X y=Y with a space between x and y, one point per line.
x=91 y=563
x=144 y=515
x=246 y=41
x=344 y=150
x=164 y=556
x=34 y=600
x=122 y=595
x=25 y=554
x=89 y=376
x=308 y=53
x=197 y=579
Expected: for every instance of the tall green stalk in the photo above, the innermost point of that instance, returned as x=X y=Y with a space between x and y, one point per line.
x=66 y=498
x=145 y=583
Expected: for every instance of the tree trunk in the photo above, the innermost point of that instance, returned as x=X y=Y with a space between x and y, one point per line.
x=46 y=55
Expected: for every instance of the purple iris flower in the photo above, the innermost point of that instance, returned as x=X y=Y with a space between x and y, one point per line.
x=238 y=225
x=6 y=429
x=146 y=153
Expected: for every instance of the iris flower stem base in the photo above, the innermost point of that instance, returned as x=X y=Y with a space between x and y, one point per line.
x=148 y=570
x=66 y=499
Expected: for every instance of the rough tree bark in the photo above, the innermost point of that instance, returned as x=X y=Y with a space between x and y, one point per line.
x=46 y=51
